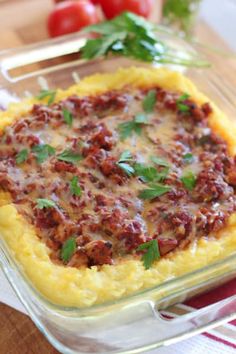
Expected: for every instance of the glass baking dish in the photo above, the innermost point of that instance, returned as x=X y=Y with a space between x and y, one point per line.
x=133 y=324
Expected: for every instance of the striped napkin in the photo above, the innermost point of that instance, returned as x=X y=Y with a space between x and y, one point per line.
x=221 y=340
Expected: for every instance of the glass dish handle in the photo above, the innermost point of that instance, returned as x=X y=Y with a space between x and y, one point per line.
x=142 y=326
x=36 y=53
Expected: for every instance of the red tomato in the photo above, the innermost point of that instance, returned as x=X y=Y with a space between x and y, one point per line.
x=112 y=8
x=71 y=16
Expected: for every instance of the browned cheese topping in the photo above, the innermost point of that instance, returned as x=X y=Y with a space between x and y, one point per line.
x=102 y=177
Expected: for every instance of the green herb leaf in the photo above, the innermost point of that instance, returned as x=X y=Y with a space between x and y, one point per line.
x=188 y=158
x=125 y=157
x=68 y=117
x=43 y=151
x=159 y=161
x=75 y=187
x=152 y=253
x=154 y=191
x=69 y=156
x=129 y=170
x=149 y=101
x=141 y=118
x=189 y=180
x=68 y=249
x=132 y=36
x=45 y=203
x=150 y=173
x=22 y=156
x=50 y=94
x=127 y=128
x=180 y=103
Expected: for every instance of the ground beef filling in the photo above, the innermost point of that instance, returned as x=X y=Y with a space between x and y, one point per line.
x=87 y=173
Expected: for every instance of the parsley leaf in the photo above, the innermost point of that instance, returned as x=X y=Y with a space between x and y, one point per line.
x=125 y=157
x=50 y=94
x=150 y=173
x=45 y=203
x=180 y=103
x=189 y=180
x=188 y=158
x=159 y=161
x=68 y=117
x=154 y=191
x=68 y=249
x=150 y=101
x=69 y=156
x=132 y=36
x=146 y=173
x=22 y=156
x=152 y=253
x=43 y=151
x=135 y=125
x=75 y=187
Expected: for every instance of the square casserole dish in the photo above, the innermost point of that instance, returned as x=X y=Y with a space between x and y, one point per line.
x=132 y=324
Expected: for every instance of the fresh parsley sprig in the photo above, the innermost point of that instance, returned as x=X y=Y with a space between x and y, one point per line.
x=189 y=180
x=45 y=203
x=75 y=187
x=50 y=94
x=149 y=101
x=43 y=151
x=182 y=107
x=68 y=249
x=159 y=161
x=154 y=191
x=127 y=128
x=149 y=173
x=22 y=156
x=188 y=158
x=132 y=36
x=68 y=117
x=69 y=156
x=152 y=253
x=124 y=162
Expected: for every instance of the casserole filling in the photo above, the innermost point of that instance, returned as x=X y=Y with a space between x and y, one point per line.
x=100 y=177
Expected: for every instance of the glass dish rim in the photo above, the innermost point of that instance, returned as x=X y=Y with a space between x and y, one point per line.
x=138 y=294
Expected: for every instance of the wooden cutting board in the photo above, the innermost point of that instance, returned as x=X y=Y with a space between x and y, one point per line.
x=18 y=334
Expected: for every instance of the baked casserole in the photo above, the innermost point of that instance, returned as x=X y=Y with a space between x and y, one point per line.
x=119 y=183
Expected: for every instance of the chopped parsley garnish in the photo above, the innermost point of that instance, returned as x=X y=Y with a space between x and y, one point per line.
x=50 y=94
x=126 y=157
x=22 y=156
x=68 y=249
x=149 y=101
x=69 y=156
x=68 y=117
x=189 y=180
x=154 y=191
x=132 y=36
x=159 y=161
x=188 y=158
x=127 y=128
x=152 y=253
x=45 y=203
x=182 y=107
x=150 y=173
x=75 y=187
x=43 y=151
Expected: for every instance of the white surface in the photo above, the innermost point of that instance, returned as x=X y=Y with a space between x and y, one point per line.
x=221 y=16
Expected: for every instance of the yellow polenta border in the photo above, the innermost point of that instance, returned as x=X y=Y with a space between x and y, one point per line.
x=85 y=287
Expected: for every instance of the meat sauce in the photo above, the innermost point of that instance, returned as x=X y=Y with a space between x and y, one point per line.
x=88 y=172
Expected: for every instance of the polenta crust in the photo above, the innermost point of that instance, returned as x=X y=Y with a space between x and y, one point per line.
x=69 y=286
